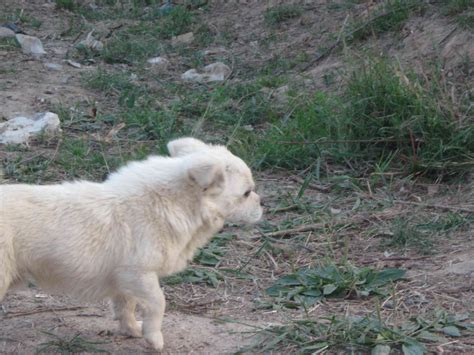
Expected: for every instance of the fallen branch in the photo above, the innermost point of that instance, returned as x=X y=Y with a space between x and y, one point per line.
x=305 y=228
x=443 y=207
x=285 y=209
x=311 y=185
x=41 y=310
x=331 y=141
x=395 y=258
x=308 y=228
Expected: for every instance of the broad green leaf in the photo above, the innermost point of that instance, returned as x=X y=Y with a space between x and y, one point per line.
x=413 y=348
x=276 y=291
x=425 y=335
x=329 y=288
x=451 y=331
x=289 y=280
x=387 y=275
x=295 y=291
x=312 y=293
x=208 y=259
x=461 y=317
x=381 y=350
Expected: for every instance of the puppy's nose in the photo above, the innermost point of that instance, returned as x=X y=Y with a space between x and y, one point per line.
x=262 y=203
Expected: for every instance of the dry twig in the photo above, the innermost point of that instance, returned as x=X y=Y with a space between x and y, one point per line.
x=42 y=310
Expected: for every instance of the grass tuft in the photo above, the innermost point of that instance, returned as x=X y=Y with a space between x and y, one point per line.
x=385 y=115
x=278 y=14
x=308 y=286
x=462 y=9
x=76 y=344
x=66 y=4
x=356 y=334
x=390 y=15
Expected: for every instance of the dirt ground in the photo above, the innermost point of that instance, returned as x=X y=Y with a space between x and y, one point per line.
x=204 y=319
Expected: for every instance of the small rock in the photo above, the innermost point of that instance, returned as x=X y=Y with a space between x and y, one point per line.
x=465 y=267
x=159 y=62
x=166 y=7
x=13 y=27
x=334 y=210
x=30 y=45
x=214 y=51
x=185 y=38
x=282 y=90
x=73 y=64
x=192 y=75
x=280 y=94
x=6 y=32
x=433 y=190
x=92 y=43
x=53 y=66
x=213 y=72
x=21 y=129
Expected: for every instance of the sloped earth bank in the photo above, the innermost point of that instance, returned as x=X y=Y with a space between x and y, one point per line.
x=357 y=221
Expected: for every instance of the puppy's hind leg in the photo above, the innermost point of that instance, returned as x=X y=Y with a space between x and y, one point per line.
x=124 y=309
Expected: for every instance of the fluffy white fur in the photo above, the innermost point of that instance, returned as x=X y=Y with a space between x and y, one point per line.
x=117 y=238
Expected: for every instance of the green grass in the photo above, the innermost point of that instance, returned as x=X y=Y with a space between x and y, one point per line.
x=111 y=83
x=454 y=7
x=26 y=170
x=281 y=13
x=422 y=236
x=361 y=334
x=463 y=10
x=205 y=261
x=389 y=15
x=66 y=4
x=76 y=344
x=197 y=275
x=20 y=17
x=386 y=116
x=9 y=44
x=144 y=40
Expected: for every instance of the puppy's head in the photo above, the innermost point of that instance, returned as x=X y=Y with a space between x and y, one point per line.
x=221 y=177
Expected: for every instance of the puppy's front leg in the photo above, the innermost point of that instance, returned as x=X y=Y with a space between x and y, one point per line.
x=124 y=309
x=154 y=309
x=145 y=288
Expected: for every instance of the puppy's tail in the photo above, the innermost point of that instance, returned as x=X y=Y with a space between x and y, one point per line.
x=7 y=260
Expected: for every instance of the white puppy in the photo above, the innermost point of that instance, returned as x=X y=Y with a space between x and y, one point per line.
x=117 y=238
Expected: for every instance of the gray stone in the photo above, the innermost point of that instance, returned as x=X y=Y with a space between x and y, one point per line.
x=30 y=45
x=53 y=66
x=185 y=38
x=21 y=129
x=6 y=32
x=213 y=72
x=159 y=62
x=73 y=64
x=92 y=43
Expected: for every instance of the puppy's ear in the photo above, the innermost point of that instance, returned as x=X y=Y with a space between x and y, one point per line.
x=184 y=146
x=208 y=176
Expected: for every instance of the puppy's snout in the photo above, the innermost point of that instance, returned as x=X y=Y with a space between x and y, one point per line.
x=260 y=200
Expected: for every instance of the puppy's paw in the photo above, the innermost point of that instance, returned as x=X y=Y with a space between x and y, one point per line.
x=155 y=339
x=133 y=330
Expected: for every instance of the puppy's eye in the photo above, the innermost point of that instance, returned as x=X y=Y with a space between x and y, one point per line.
x=247 y=193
